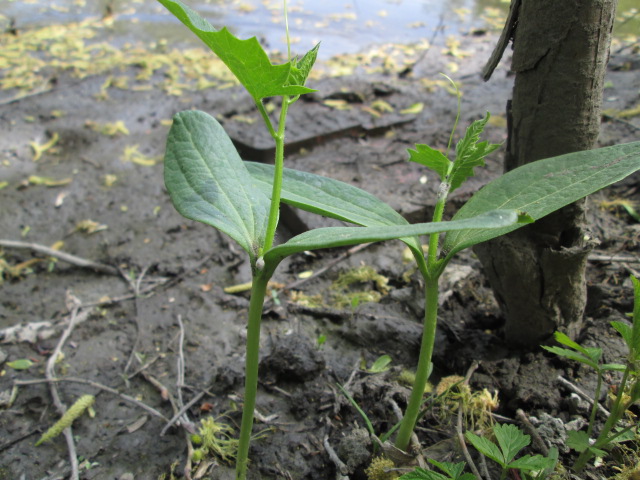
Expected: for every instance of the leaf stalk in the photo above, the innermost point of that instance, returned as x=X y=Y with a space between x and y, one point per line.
x=274 y=210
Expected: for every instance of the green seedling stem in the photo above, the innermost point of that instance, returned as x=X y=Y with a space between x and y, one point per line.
x=424 y=366
x=258 y=292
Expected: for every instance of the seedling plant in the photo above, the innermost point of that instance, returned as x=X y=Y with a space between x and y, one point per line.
x=509 y=442
x=209 y=182
x=627 y=392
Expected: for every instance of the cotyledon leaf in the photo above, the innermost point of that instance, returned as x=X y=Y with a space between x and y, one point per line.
x=245 y=58
x=544 y=186
x=331 y=198
x=208 y=181
x=331 y=237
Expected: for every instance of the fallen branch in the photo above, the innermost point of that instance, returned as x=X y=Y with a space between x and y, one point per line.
x=97 y=385
x=65 y=257
x=463 y=444
x=603 y=257
x=531 y=430
x=583 y=395
x=74 y=305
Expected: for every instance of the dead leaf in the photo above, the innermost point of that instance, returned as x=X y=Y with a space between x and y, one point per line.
x=48 y=181
x=413 y=109
x=38 y=149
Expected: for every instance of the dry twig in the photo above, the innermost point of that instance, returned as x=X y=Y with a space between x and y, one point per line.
x=583 y=395
x=531 y=430
x=65 y=257
x=99 y=386
x=463 y=444
x=341 y=469
x=135 y=287
x=74 y=305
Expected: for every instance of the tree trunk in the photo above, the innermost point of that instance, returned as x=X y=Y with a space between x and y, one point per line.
x=561 y=49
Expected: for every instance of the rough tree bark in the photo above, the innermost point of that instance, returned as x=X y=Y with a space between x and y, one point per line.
x=561 y=49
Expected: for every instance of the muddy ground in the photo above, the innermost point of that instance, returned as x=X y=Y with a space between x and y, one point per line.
x=162 y=299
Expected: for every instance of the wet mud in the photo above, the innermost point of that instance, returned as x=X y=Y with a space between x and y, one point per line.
x=161 y=328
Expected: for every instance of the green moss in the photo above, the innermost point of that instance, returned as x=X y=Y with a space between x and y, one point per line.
x=381 y=469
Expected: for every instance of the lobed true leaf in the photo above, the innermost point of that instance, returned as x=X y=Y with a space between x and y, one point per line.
x=431 y=158
x=470 y=153
x=246 y=59
x=486 y=447
x=301 y=69
x=511 y=440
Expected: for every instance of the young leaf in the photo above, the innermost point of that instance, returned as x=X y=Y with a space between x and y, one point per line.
x=453 y=470
x=578 y=440
x=592 y=353
x=302 y=68
x=431 y=158
x=511 y=440
x=544 y=186
x=380 y=365
x=245 y=58
x=572 y=355
x=616 y=367
x=625 y=331
x=535 y=462
x=470 y=153
x=20 y=364
x=343 y=236
x=486 y=447
x=208 y=181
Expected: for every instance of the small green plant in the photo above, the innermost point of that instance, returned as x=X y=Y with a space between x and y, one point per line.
x=510 y=441
x=627 y=391
x=381 y=364
x=215 y=439
x=209 y=182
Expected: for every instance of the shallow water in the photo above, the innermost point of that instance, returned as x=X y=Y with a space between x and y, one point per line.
x=343 y=26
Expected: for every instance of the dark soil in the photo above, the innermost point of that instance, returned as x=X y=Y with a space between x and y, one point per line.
x=170 y=272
